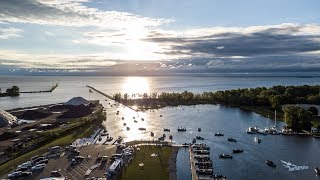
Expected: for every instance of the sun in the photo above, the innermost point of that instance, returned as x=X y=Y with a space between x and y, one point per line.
x=135 y=85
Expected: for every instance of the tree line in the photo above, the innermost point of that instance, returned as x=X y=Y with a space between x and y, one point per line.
x=274 y=98
x=13 y=91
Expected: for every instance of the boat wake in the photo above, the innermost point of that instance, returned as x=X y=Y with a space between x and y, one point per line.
x=293 y=167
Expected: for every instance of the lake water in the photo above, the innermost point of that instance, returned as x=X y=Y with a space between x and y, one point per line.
x=211 y=118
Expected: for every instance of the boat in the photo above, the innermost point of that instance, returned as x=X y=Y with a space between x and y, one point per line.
x=124 y=124
x=181 y=129
x=164 y=135
x=317 y=170
x=151 y=134
x=122 y=118
x=231 y=140
x=199 y=129
x=109 y=139
x=270 y=163
x=142 y=129
x=170 y=137
x=218 y=134
x=253 y=130
x=199 y=138
x=257 y=140
x=160 y=115
x=128 y=128
x=165 y=129
x=194 y=141
x=225 y=156
x=135 y=121
x=142 y=119
x=238 y=151
x=161 y=138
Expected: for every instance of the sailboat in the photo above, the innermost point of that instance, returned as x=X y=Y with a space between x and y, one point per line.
x=273 y=130
x=285 y=130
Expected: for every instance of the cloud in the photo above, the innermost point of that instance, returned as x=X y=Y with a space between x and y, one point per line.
x=284 y=39
x=8 y=33
x=69 y=13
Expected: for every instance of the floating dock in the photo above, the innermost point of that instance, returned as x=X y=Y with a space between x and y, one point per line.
x=201 y=164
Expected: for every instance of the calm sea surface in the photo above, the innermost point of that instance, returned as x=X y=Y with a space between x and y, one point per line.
x=211 y=118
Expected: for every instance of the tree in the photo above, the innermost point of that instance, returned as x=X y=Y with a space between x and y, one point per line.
x=297 y=118
x=314 y=111
x=14 y=91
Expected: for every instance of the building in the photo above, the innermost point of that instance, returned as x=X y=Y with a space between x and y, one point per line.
x=115 y=166
x=6 y=118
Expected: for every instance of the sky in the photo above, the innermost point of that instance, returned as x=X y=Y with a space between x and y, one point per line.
x=133 y=37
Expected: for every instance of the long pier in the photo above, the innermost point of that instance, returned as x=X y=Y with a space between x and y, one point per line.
x=109 y=96
x=45 y=91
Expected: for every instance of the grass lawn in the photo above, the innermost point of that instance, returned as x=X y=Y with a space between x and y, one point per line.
x=154 y=167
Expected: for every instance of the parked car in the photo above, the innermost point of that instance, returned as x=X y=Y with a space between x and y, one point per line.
x=25 y=174
x=25 y=164
x=44 y=161
x=22 y=169
x=104 y=158
x=38 y=159
x=79 y=158
x=55 y=174
x=14 y=174
x=73 y=162
x=75 y=151
x=38 y=166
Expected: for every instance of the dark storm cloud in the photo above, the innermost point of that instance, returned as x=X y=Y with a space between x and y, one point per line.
x=264 y=43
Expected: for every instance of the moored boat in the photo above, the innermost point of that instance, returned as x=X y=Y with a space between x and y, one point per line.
x=237 y=150
x=151 y=134
x=225 y=156
x=218 y=134
x=317 y=170
x=199 y=129
x=142 y=129
x=170 y=137
x=199 y=138
x=128 y=128
x=165 y=129
x=124 y=124
x=231 y=140
x=270 y=163
x=181 y=129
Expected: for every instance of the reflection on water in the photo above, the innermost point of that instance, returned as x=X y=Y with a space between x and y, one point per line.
x=136 y=85
x=230 y=121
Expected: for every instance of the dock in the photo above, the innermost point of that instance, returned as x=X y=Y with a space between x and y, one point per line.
x=201 y=164
x=43 y=91
x=109 y=96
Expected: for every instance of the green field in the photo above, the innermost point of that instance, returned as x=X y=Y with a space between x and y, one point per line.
x=154 y=167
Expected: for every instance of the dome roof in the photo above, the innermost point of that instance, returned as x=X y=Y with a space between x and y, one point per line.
x=76 y=101
x=6 y=118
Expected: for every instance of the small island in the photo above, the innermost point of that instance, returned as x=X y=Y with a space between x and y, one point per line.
x=13 y=91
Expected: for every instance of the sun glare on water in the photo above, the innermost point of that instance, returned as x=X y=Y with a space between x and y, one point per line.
x=135 y=85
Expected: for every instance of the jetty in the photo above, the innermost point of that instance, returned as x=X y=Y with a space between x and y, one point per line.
x=109 y=96
x=43 y=91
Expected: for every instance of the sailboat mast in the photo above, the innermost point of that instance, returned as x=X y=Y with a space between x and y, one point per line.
x=275 y=118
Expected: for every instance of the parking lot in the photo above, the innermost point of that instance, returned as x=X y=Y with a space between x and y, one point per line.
x=90 y=153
